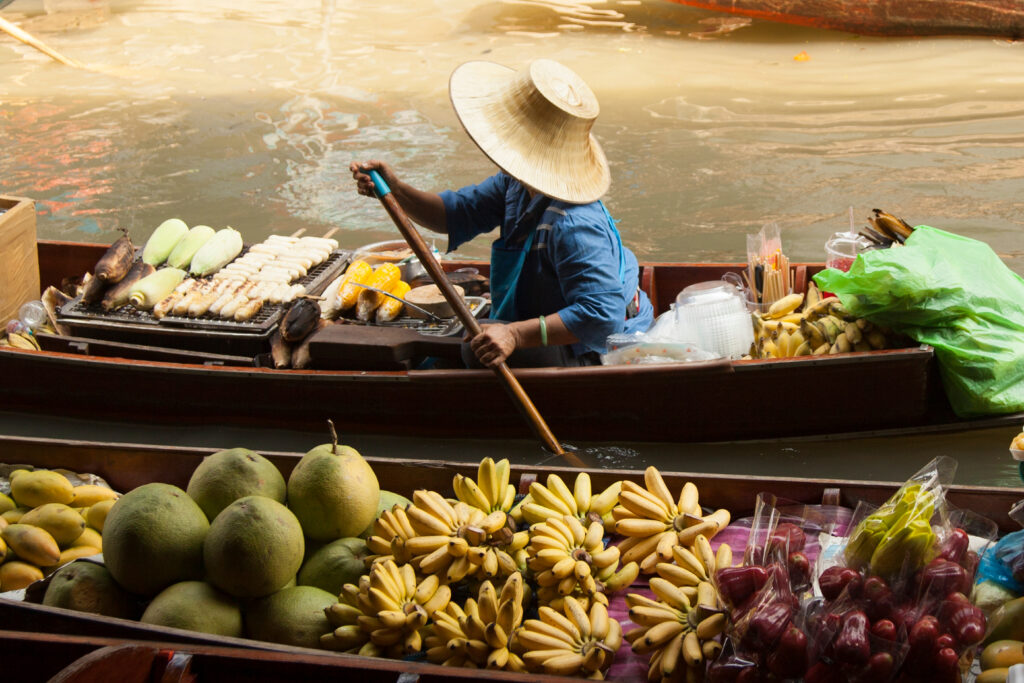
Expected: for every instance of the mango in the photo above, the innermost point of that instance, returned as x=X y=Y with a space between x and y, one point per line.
x=15 y=473
x=1002 y=654
x=32 y=544
x=997 y=675
x=90 y=538
x=88 y=495
x=6 y=503
x=1006 y=623
x=89 y=587
x=3 y=549
x=75 y=552
x=60 y=521
x=15 y=575
x=12 y=516
x=3 y=523
x=40 y=487
x=97 y=515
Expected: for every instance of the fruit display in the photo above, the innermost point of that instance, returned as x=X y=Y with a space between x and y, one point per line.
x=47 y=521
x=822 y=326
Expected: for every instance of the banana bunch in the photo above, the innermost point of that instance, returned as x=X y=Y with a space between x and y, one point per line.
x=692 y=571
x=897 y=535
x=482 y=634
x=673 y=627
x=571 y=642
x=453 y=541
x=570 y=559
x=385 y=613
x=655 y=522
x=824 y=326
x=555 y=500
x=19 y=340
x=491 y=491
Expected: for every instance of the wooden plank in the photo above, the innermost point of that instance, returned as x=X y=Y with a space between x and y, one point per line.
x=19 y=276
x=111 y=349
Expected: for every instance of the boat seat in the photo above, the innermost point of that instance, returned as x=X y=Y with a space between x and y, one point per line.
x=364 y=347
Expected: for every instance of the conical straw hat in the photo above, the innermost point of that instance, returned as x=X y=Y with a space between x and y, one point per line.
x=535 y=125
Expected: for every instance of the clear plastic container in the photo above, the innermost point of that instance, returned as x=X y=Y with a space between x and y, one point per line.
x=842 y=248
x=716 y=313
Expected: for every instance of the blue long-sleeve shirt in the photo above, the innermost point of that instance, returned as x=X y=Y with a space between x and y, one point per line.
x=572 y=268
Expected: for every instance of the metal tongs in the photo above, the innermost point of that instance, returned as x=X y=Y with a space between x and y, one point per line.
x=433 y=318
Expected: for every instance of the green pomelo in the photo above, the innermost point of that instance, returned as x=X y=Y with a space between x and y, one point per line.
x=195 y=606
x=254 y=547
x=334 y=492
x=153 y=537
x=224 y=477
x=293 y=616
x=334 y=565
x=89 y=587
x=388 y=499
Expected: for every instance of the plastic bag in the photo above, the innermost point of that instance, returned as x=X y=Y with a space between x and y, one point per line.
x=955 y=294
x=645 y=348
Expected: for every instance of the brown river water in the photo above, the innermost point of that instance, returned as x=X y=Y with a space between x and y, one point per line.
x=248 y=114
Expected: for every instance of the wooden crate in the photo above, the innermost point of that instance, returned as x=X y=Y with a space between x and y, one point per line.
x=19 y=264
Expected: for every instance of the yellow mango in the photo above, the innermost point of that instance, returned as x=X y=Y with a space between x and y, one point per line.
x=1002 y=654
x=15 y=575
x=90 y=538
x=97 y=515
x=3 y=549
x=40 y=487
x=15 y=473
x=3 y=523
x=12 y=516
x=89 y=494
x=60 y=521
x=997 y=675
x=6 y=503
x=75 y=552
x=32 y=544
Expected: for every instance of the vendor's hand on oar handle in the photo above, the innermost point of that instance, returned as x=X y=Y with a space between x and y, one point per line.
x=494 y=344
x=361 y=174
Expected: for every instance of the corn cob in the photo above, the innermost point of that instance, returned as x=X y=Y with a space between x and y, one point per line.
x=181 y=255
x=358 y=271
x=153 y=288
x=390 y=308
x=163 y=240
x=218 y=251
x=384 y=277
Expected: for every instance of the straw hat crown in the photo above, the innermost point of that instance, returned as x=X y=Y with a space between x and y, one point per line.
x=535 y=125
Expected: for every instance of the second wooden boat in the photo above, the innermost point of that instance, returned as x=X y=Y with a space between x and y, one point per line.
x=1003 y=18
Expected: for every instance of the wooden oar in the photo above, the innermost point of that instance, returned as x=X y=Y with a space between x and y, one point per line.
x=29 y=39
x=412 y=237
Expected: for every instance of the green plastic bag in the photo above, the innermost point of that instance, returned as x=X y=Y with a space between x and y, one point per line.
x=955 y=294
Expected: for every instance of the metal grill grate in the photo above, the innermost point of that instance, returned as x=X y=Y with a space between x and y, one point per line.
x=314 y=281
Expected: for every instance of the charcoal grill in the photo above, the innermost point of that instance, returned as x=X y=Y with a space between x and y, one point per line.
x=206 y=333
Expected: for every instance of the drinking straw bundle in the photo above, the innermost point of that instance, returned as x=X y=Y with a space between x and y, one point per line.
x=768 y=274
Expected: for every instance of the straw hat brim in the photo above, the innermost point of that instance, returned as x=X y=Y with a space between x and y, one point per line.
x=525 y=139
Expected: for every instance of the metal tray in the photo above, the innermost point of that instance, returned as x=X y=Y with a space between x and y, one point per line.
x=205 y=333
x=477 y=305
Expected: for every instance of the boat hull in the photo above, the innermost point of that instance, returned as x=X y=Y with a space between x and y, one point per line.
x=1003 y=18
x=896 y=390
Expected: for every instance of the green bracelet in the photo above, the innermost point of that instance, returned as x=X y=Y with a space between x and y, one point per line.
x=543 y=332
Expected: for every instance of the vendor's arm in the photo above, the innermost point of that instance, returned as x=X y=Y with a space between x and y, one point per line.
x=425 y=208
x=496 y=341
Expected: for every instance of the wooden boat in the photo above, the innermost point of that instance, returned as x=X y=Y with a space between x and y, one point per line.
x=896 y=390
x=1003 y=18
x=70 y=635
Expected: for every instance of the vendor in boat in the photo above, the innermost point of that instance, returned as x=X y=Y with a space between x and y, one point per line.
x=561 y=279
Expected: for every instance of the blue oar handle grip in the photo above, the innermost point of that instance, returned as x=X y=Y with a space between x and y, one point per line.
x=379 y=186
